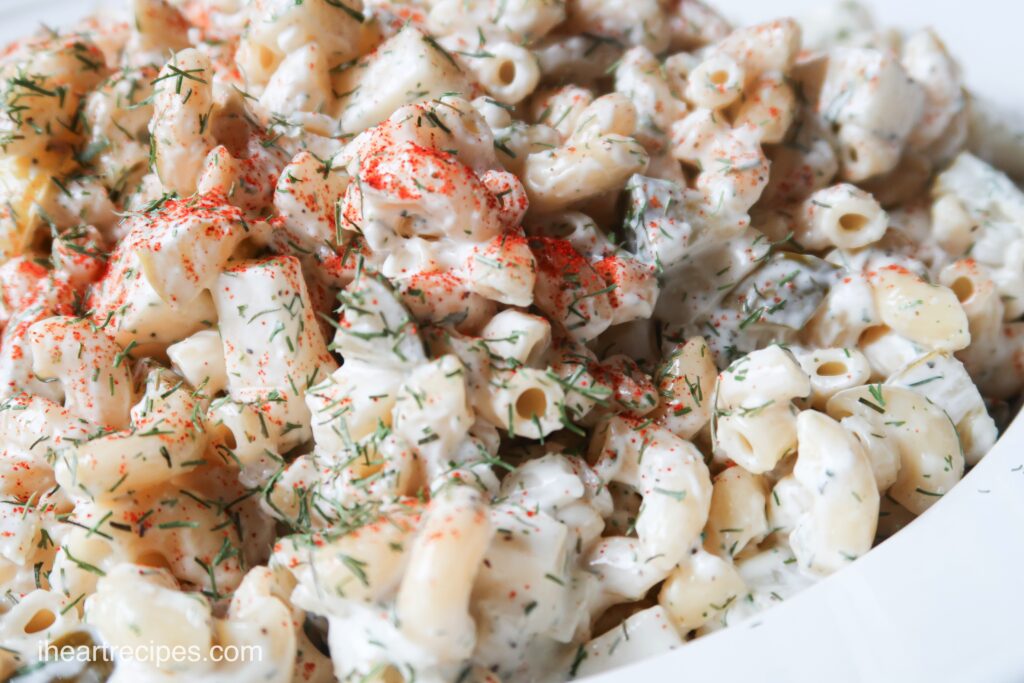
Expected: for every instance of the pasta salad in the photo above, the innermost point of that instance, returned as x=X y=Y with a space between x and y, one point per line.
x=477 y=340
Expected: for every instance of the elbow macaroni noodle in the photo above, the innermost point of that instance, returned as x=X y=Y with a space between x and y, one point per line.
x=477 y=340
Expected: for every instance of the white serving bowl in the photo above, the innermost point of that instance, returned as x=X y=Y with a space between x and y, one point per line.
x=942 y=600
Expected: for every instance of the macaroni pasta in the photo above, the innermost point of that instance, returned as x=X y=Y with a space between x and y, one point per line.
x=477 y=340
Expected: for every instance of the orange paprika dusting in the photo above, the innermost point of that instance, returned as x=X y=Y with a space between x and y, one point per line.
x=557 y=257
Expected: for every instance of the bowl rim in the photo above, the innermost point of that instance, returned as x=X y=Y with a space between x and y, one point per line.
x=886 y=615
x=883 y=618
